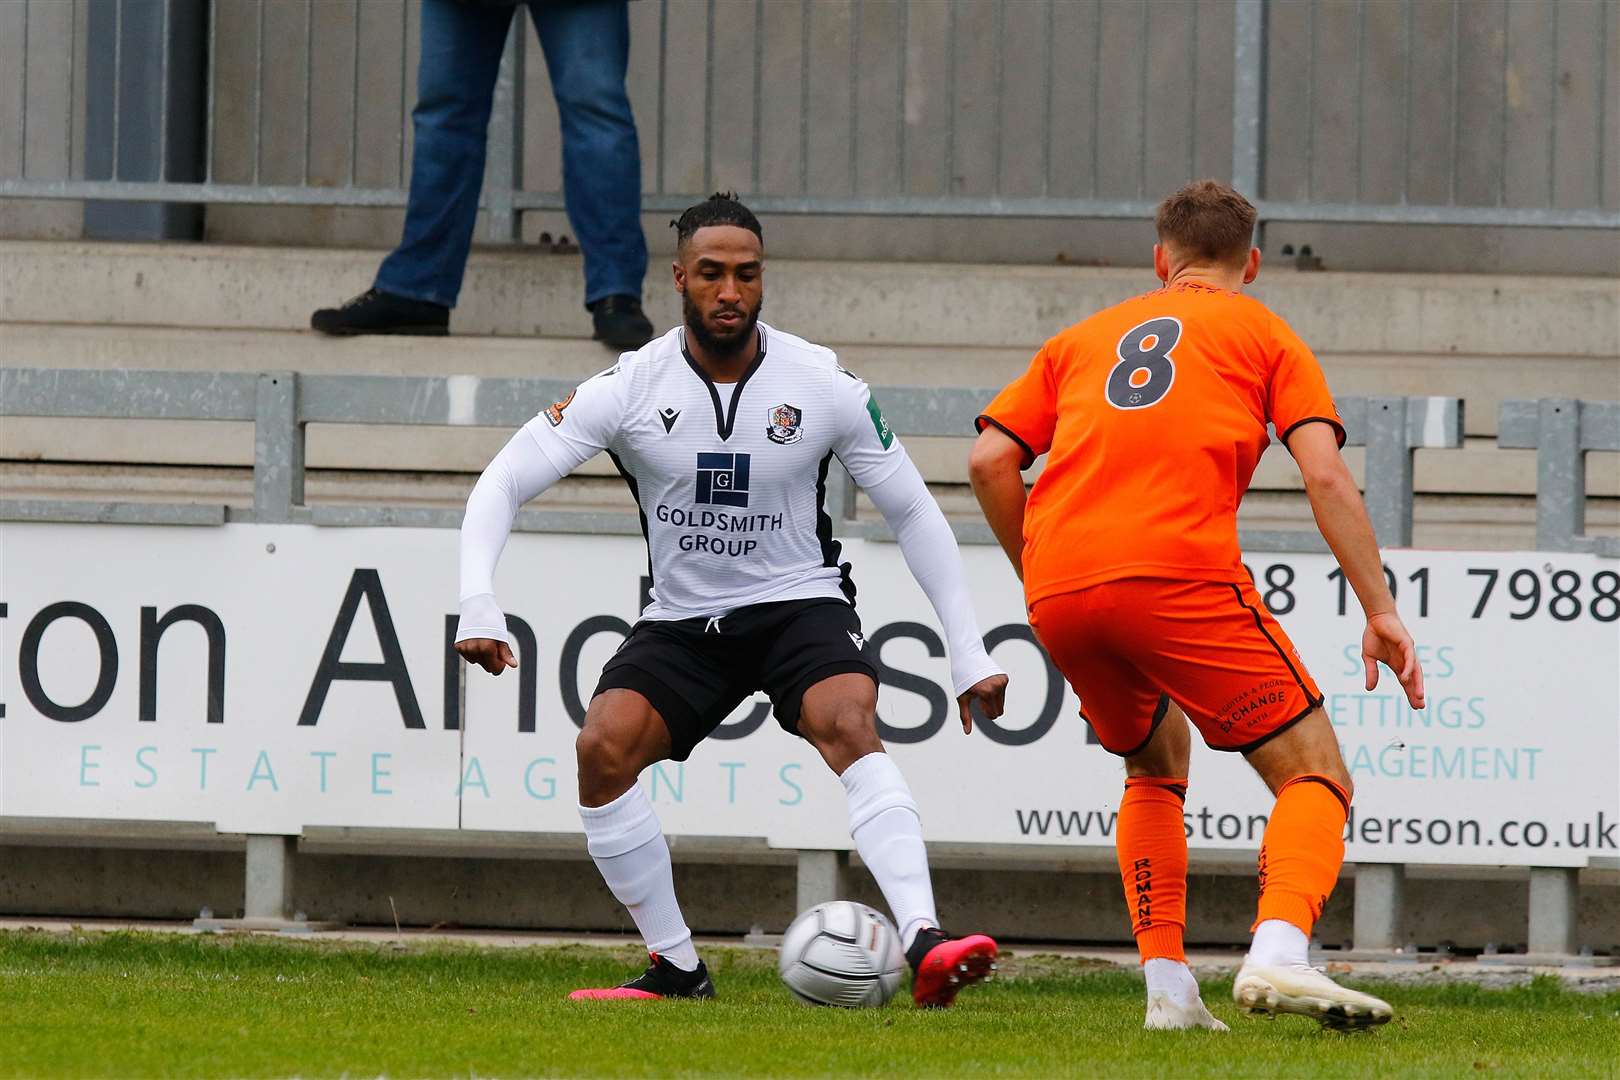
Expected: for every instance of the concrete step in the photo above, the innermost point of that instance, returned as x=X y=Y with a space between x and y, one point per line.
x=1482 y=380
x=67 y=345
x=525 y=293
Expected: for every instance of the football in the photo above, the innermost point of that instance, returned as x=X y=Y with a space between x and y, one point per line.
x=841 y=953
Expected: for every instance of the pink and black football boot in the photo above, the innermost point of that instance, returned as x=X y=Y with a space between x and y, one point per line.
x=662 y=979
x=943 y=966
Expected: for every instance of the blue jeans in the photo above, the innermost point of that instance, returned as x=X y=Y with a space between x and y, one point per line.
x=587 y=47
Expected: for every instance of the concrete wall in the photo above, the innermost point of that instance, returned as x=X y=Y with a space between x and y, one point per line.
x=1425 y=102
x=548 y=889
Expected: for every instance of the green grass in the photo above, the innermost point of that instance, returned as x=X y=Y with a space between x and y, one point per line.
x=166 y=1005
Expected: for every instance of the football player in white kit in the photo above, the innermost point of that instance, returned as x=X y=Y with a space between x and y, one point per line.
x=724 y=428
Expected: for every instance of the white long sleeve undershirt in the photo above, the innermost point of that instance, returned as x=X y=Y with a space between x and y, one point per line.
x=518 y=473
x=929 y=548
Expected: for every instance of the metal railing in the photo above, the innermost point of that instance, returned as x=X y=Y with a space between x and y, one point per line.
x=1405 y=111
x=282 y=404
x=1562 y=431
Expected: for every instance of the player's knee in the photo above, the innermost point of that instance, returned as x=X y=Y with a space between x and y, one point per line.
x=848 y=728
x=603 y=755
x=1168 y=752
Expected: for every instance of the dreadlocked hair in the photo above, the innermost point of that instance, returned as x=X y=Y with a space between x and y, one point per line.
x=721 y=208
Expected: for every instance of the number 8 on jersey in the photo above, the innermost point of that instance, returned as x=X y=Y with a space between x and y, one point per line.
x=1145 y=370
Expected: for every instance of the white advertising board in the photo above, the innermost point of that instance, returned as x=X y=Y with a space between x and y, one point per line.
x=264 y=678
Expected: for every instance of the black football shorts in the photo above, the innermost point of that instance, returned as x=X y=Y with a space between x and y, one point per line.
x=696 y=671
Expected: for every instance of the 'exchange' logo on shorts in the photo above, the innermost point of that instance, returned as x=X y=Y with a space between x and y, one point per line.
x=1253 y=705
x=722 y=479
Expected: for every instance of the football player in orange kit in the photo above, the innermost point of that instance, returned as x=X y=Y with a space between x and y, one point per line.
x=1154 y=415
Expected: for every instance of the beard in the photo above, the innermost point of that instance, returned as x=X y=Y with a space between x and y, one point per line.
x=722 y=345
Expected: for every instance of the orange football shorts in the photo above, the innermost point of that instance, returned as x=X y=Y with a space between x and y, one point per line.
x=1131 y=646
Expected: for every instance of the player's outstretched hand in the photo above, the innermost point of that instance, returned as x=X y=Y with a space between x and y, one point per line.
x=1385 y=641
x=991 y=695
x=491 y=655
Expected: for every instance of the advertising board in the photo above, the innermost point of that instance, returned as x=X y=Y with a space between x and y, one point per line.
x=264 y=678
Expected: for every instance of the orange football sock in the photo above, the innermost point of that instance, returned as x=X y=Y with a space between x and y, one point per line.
x=1302 y=850
x=1152 y=847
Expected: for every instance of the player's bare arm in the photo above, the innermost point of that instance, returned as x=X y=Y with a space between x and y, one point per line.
x=995 y=469
x=1342 y=518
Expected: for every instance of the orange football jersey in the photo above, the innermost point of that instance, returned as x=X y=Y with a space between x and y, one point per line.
x=1154 y=412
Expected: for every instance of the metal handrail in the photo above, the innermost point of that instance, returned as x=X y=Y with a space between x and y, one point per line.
x=282 y=404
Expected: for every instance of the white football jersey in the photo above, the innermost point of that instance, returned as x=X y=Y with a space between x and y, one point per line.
x=730 y=479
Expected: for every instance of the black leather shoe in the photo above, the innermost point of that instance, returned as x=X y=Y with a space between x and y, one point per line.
x=378 y=312
x=620 y=322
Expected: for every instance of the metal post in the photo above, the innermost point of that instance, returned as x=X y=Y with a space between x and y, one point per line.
x=1554 y=892
x=1389 y=471
x=146 y=62
x=823 y=876
x=268 y=892
x=278 y=449
x=503 y=174
x=1248 y=95
x=1560 y=475
x=1380 y=915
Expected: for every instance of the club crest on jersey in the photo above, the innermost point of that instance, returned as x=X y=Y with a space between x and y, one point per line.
x=786 y=424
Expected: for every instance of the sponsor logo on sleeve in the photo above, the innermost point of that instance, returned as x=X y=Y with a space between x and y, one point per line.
x=885 y=433
x=554 y=413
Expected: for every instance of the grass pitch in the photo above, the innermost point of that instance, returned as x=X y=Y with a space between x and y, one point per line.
x=128 y=1005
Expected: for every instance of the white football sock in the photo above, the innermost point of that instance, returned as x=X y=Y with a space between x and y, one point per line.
x=887 y=832
x=1172 y=977
x=1278 y=943
x=628 y=844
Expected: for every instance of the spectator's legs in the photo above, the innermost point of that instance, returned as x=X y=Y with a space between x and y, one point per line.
x=587 y=48
x=455 y=86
